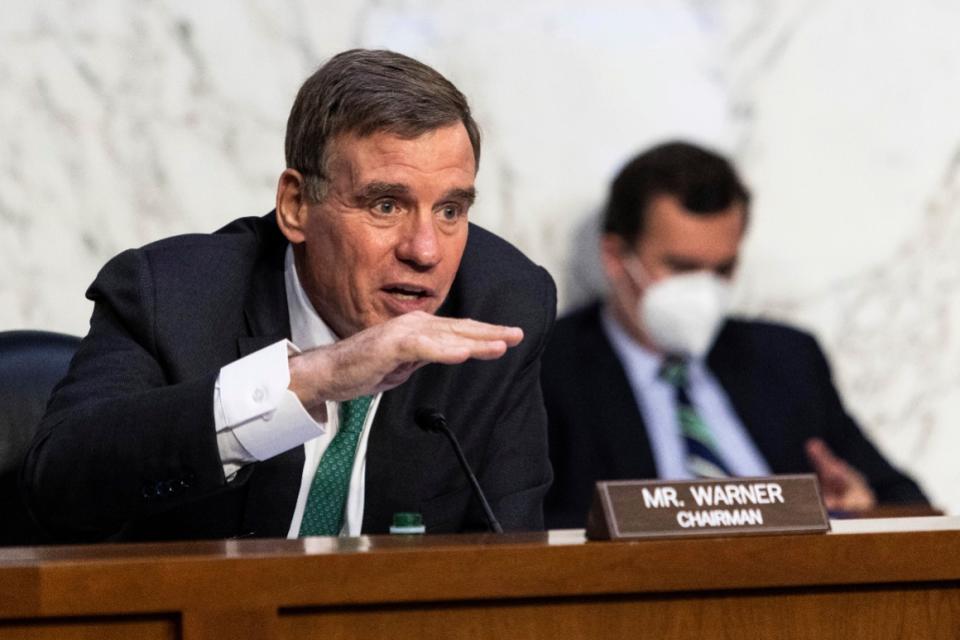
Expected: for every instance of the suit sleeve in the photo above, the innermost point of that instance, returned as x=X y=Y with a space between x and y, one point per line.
x=518 y=473
x=845 y=437
x=120 y=439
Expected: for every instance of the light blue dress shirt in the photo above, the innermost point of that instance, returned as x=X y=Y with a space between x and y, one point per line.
x=656 y=399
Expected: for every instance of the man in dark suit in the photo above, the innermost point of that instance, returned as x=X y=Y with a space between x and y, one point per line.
x=657 y=382
x=187 y=414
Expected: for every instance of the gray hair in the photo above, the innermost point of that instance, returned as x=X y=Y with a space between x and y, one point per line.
x=362 y=92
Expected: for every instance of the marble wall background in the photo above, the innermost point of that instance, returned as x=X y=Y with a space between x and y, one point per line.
x=124 y=122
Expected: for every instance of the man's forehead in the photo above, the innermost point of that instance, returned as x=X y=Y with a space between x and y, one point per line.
x=679 y=235
x=373 y=189
x=667 y=218
x=368 y=156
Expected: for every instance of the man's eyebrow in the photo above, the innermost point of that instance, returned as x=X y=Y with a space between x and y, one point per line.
x=469 y=194
x=683 y=262
x=728 y=266
x=374 y=190
x=691 y=264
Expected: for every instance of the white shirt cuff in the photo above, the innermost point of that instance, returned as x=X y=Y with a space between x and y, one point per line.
x=252 y=401
x=253 y=385
x=286 y=427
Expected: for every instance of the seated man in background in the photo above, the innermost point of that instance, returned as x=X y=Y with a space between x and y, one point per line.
x=185 y=414
x=656 y=382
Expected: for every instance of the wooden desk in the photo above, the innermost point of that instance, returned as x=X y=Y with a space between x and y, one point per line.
x=868 y=579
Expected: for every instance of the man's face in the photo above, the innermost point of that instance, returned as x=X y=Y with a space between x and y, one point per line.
x=673 y=241
x=388 y=237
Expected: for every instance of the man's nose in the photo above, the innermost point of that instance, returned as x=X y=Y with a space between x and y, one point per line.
x=420 y=245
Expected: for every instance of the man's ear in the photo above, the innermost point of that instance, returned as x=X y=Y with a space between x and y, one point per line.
x=292 y=205
x=612 y=251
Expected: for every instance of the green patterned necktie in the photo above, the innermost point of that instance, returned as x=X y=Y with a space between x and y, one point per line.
x=702 y=458
x=323 y=514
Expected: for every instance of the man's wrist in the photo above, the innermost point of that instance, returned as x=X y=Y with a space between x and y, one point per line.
x=306 y=373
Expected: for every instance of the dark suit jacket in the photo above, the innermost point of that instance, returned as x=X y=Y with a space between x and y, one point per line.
x=128 y=450
x=778 y=382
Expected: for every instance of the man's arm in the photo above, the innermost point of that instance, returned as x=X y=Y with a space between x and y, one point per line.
x=846 y=460
x=119 y=439
x=125 y=439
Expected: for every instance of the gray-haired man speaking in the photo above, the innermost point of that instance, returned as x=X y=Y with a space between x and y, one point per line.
x=262 y=380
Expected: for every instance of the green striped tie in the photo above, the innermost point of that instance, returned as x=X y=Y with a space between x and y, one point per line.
x=323 y=514
x=702 y=456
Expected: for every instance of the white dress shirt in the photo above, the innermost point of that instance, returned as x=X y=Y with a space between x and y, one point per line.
x=656 y=399
x=258 y=417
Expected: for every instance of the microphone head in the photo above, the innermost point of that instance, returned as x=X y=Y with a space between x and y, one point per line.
x=429 y=419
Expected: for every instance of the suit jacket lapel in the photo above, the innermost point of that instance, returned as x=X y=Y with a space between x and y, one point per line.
x=740 y=373
x=273 y=484
x=622 y=437
x=265 y=311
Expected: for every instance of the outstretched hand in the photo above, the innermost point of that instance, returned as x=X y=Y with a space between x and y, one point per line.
x=844 y=488
x=386 y=355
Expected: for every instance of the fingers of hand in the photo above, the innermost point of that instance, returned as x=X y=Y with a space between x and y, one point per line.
x=466 y=328
x=843 y=486
x=832 y=471
x=861 y=498
x=452 y=340
x=820 y=454
x=447 y=348
x=855 y=498
x=825 y=463
x=384 y=356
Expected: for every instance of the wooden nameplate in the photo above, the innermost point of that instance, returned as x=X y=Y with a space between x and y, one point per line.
x=635 y=509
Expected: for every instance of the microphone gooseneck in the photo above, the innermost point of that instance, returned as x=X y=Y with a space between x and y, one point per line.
x=432 y=420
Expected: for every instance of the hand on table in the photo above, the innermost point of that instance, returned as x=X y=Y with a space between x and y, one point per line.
x=844 y=488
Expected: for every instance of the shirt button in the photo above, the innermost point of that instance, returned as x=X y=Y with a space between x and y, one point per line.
x=259 y=394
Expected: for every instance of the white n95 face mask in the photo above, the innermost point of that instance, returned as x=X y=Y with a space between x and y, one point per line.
x=682 y=314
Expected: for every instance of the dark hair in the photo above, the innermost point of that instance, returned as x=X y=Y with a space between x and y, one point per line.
x=363 y=92
x=704 y=182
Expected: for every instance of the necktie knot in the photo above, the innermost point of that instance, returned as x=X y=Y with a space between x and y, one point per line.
x=675 y=371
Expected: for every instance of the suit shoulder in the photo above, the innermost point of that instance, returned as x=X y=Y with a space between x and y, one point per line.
x=767 y=331
x=497 y=283
x=576 y=342
x=198 y=253
x=579 y=320
x=489 y=254
x=187 y=270
x=494 y=272
x=239 y=235
x=768 y=341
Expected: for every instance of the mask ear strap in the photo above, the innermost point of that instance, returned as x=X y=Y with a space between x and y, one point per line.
x=631 y=262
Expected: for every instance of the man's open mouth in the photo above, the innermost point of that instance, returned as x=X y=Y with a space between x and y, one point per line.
x=408 y=292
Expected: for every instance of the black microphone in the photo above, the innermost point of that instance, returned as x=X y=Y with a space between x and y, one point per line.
x=430 y=419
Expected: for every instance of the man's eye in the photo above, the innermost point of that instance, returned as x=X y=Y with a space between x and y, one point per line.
x=385 y=207
x=450 y=212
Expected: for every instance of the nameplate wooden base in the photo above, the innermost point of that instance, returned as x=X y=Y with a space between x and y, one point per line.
x=631 y=509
